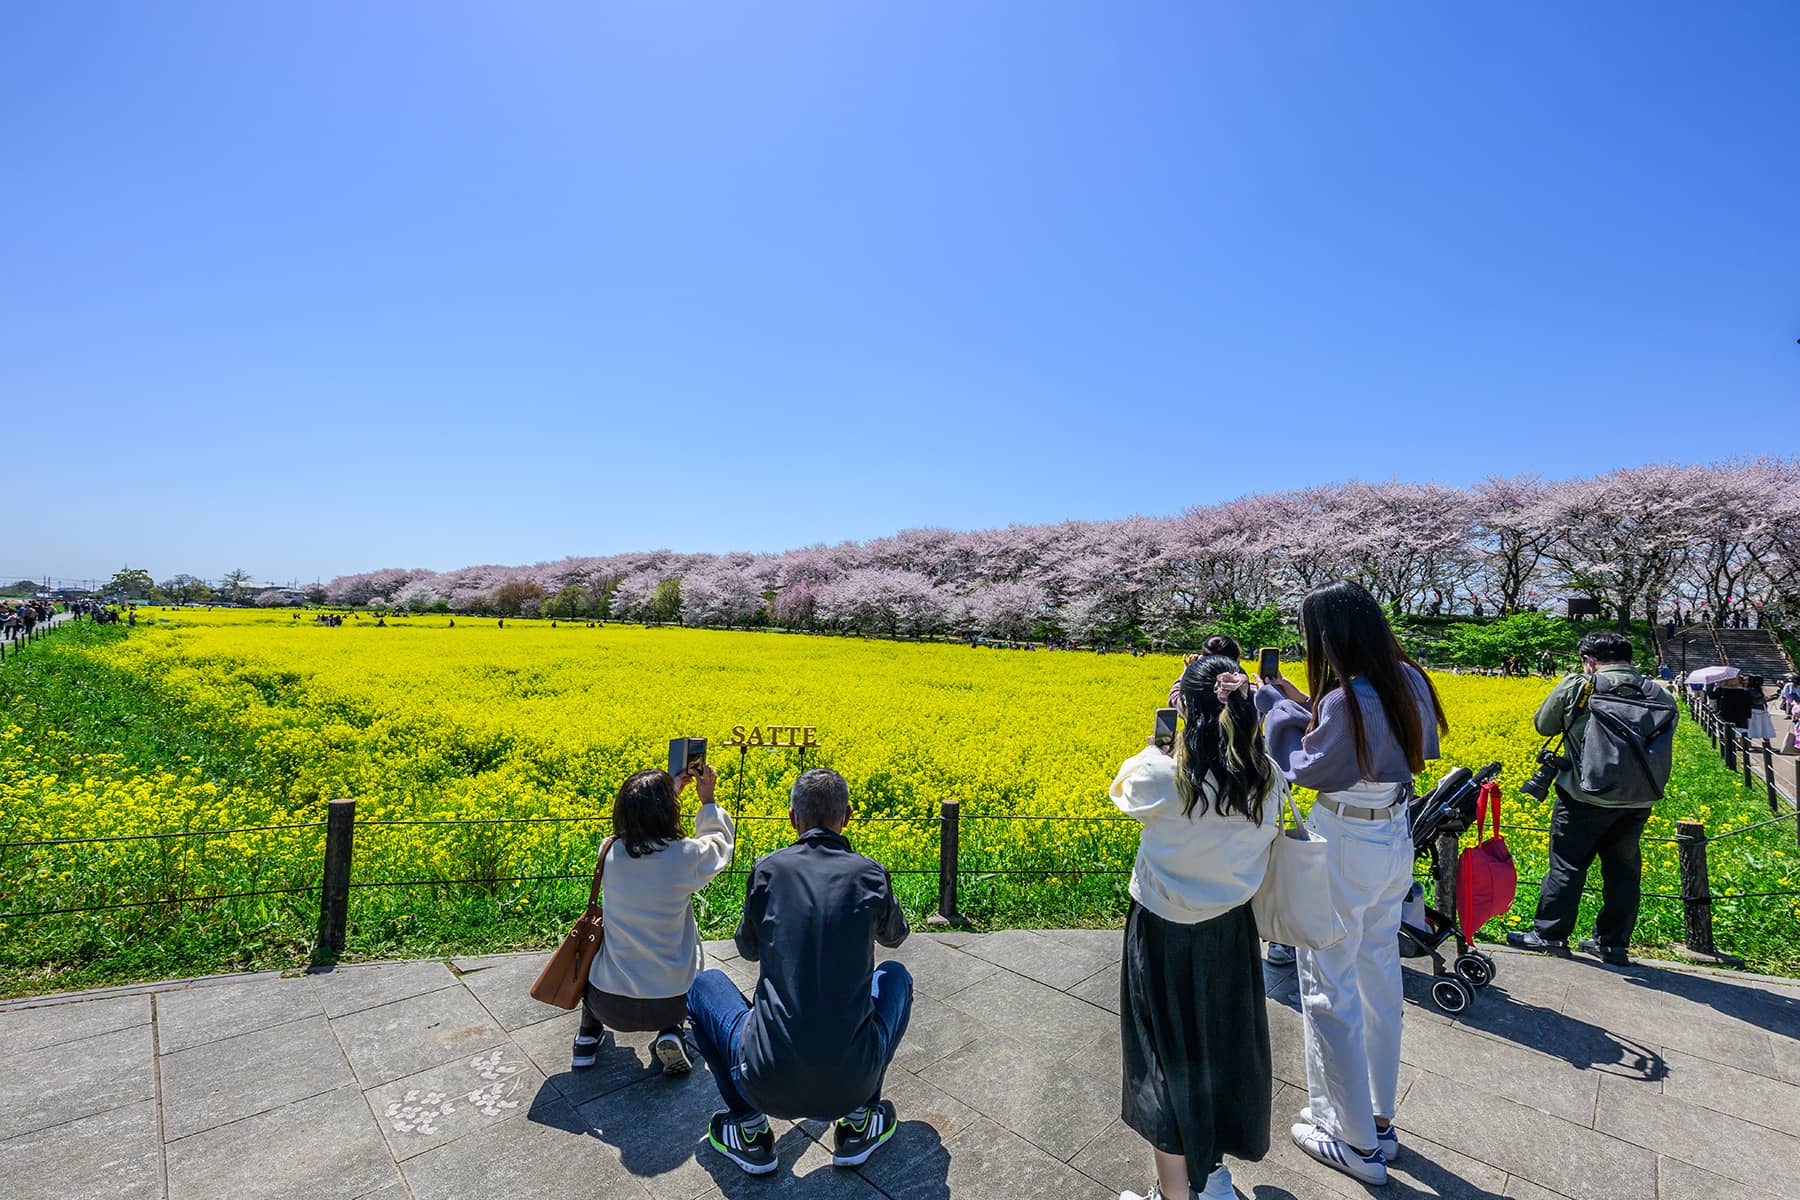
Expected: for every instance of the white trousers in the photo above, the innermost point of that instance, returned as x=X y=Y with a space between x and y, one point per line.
x=1350 y=994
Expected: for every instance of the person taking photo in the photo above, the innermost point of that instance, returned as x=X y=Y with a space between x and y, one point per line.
x=1617 y=728
x=651 y=951
x=1195 y=1033
x=1369 y=726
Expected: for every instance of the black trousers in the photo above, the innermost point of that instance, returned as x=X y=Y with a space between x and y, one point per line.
x=1579 y=833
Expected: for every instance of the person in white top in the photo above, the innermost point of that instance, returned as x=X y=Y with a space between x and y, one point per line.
x=1194 y=1030
x=651 y=951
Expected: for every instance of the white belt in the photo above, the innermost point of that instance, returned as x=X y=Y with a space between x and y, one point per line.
x=1380 y=812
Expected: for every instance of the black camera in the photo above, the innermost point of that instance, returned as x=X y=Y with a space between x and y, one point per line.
x=1550 y=764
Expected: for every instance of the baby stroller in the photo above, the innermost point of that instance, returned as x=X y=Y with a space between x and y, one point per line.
x=1447 y=808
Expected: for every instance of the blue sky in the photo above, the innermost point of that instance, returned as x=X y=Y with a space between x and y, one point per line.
x=314 y=289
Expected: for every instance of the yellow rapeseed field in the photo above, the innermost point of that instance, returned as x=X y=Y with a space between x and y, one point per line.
x=265 y=715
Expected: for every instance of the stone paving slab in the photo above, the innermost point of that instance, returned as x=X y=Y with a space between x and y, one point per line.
x=426 y=1080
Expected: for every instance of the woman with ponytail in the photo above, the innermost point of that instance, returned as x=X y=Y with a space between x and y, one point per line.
x=1195 y=1032
x=1368 y=728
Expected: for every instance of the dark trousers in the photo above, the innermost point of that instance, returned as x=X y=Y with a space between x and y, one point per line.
x=718 y=1012
x=1579 y=833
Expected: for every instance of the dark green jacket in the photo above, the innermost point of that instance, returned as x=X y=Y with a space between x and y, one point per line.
x=1564 y=711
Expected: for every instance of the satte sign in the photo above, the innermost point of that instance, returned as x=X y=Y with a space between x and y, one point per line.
x=788 y=737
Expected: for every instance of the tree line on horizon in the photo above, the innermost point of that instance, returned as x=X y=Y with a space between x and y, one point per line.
x=1648 y=542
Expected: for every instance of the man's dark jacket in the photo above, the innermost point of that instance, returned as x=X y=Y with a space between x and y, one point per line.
x=812 y=913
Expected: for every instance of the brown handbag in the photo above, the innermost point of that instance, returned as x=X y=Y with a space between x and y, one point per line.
x=563 y=981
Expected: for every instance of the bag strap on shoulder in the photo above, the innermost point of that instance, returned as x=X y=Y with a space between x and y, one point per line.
x=599 y=869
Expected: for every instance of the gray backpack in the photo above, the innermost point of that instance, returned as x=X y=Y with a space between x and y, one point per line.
x=1629 y=746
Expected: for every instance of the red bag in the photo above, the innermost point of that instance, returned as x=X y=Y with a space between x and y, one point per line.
x=1486 y=879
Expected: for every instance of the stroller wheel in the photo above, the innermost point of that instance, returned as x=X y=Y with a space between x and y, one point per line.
x=1475 y=969
x=1452 y=995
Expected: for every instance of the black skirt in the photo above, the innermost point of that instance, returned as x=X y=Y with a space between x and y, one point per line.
x=629 y=1014
x=1196 y=1037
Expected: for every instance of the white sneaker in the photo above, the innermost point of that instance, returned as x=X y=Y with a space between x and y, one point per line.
x=1388 y=1139
x=1370 y=1168
x=1155 y=1193
x=1218 y=1186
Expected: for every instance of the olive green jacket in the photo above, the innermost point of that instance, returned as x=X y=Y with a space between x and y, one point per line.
x=1564 y=711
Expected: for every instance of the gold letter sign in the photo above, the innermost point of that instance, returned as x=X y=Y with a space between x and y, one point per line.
x=786 y=737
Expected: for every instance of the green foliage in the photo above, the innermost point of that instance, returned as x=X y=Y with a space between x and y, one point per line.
x=1252 y=627
x=133 y=583
x=571 y=602
x=1521 y=639
x=665 y=602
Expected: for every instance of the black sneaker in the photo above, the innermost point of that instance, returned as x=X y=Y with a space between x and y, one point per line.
x=1611 y=955
x=671 y=1050
x=1529 y=940
x=756 y=1154
x=857 y=1140
x=587 y=1049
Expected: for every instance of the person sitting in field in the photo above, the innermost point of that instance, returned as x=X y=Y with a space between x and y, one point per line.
x=826 y=1020
x=651 y=951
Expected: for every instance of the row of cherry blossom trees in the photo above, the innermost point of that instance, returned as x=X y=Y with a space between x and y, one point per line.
x=1646 y=541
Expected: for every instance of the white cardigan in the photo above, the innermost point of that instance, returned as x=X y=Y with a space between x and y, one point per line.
x=1192 y=868
x=652 y=945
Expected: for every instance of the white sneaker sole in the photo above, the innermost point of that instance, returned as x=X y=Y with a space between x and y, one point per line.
x=673 y=1056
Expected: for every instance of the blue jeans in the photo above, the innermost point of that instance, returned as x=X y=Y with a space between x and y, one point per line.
x=718 y=1011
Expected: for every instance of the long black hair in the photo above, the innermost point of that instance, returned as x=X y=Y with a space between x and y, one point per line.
x=1221 y=740
x=647 y=814
x=1348 y=635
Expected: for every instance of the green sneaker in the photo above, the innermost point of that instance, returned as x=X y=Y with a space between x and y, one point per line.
x=860 y=1133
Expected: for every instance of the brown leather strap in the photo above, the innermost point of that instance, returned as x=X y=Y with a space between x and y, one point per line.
x=599 y=868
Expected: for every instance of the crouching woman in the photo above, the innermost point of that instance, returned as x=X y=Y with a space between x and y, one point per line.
x=652 y=952
x=1195 y=1032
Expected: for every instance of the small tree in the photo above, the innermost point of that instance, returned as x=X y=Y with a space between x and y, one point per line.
x=1252 y=627
x=567 y=603
x=233 y=583
x=132 y=583
x=665 y=601
x=515 y=596
x=185 y=589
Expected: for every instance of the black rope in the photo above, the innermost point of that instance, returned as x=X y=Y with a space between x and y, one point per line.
x=44 y=912
x=1747 y=828
x=179 y=833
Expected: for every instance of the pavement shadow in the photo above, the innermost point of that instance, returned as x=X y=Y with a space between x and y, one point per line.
x=551 y=1110
x=1579 y=1043
x=1771 y=1010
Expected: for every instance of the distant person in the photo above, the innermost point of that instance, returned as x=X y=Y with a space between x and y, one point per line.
x=1194 y=1027
x=651 y=952
x=1759 y=726
x=1585 y=825
x=825 y=1022
x=1731 y=703
x=1369 y=726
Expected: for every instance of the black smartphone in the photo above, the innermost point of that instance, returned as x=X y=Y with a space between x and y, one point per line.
x=1268 y=663
x=686 y=753
x=1165 y=727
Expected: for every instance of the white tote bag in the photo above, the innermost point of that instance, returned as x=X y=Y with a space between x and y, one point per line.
x=1293 y=905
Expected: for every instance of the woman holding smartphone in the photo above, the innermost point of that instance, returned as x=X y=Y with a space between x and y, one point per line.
x=1369 y=726
x=1195 y=1033
x=651 y=951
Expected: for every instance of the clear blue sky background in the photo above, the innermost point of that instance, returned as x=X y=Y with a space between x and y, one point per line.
x=316 y=288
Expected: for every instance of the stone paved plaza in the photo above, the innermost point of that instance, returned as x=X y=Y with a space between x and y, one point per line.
x=435 y=1080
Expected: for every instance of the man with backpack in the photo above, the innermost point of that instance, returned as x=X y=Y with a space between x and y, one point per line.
x=1618 y=730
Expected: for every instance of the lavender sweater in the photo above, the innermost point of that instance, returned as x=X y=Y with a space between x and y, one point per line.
x=1325 y=759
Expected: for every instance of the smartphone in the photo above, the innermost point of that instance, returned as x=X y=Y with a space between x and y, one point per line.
x=686 y=753
x=1268 y=663
x=1165 y=727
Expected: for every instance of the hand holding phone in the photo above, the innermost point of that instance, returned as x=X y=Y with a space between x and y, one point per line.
x=1163 y=736
x=1268 y=664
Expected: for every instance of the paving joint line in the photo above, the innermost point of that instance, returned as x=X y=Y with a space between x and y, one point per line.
x=264 y=1113
x=162 y=1141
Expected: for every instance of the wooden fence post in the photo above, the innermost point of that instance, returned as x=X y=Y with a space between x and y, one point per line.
x=1769 y=777
x=1749 y=780
x=1729 y=746
x=949 y=831
x=334 y=891
x=1696 y=893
